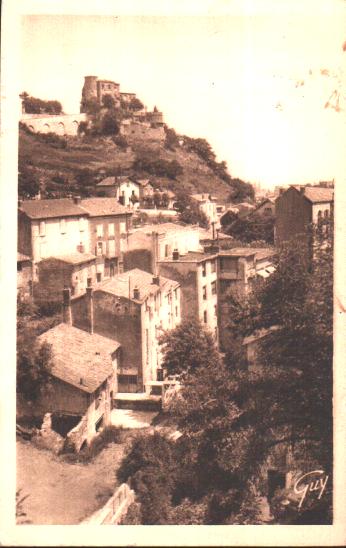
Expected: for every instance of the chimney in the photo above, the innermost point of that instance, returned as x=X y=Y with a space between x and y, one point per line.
x=66 y=306
x=281 y=190
x=175 y=255
x=302 y=190
x=90 y=308
x=156 y=280
x=136 y=294
x=76 y=200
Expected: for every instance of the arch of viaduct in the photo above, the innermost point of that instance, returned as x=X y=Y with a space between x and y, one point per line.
x=61 y=124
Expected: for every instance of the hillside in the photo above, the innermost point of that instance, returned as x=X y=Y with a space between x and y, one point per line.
x=58 y=162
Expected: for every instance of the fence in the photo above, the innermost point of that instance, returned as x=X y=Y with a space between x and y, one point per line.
x=115 y=508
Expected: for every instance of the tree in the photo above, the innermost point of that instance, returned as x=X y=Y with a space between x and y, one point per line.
x=28 y=183
x=251 y=228
x=33 y=105
x=110 y=123
x=34 y=362
x=149 y=467
x=108 y=101
x=188 y=347
x=135 y=104
x=189 y=211
x=241 y=191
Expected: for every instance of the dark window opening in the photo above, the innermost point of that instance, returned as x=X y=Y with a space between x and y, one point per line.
x=62 y=424
x=99 y=424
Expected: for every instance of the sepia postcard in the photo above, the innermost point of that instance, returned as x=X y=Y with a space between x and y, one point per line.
x=173 y=337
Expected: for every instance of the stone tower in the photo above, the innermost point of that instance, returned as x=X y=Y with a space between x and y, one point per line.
x=89 y=90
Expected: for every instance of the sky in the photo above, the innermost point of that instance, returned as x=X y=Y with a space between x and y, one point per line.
x=259 y=88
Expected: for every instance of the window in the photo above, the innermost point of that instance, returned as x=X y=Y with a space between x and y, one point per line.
x=159 y=374
x=99 y=231
x=326 y=213
x=205 y=316
x=213 y=288
x=19 y=267
x=99 y=248
x=213 y=266
x=176 y=311
x=204 y=269
x=204 y=292
x=122 y=227
x=42 y=228
x=176 y=294
x=166 y=250
x=98 y=277
x=215 y=310
x=111 y=229
x=81 y=224
x=229 y=264
x=62 y=226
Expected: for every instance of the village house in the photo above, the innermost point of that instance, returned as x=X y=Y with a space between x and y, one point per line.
x=75 y=271
x=71 y=242
x=153 y=242
x=237 y=270
x=84 y=380
x=24 y=276
x=47 y=228
x=196 y=273
x=146 y=189
x=133 y=308
x=124 y=189
x=297 y=208
x=108 y=222
x=265 y=209
x=207 y=204
x=95 y=88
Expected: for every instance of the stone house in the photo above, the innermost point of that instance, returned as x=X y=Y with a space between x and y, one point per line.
x=83 y=382
x=154 y=242
x=124 y=189
x=146 y=189
x=237 y=270
x=299 y=207
x=207 y=204
x=47 y=228
x=265 y=209
x=108 y=223
x=95 y=88
x=196 y=273
x=75 y=271
x=133 y=308
x=24 y=276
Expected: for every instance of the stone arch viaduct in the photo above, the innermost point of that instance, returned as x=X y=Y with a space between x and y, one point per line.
x=61 y=124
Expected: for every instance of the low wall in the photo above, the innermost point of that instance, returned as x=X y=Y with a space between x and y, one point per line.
x=115 y=508
x=77 y=436
x=61 y=124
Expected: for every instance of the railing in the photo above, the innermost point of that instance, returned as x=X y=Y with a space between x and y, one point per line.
x=115 y=508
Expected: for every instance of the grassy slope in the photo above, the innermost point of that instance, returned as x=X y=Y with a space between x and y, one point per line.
x=104 y=154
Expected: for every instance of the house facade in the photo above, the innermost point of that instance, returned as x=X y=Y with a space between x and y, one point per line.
x=52 y=227
x=207 y=204
x=150 y=243
x=83 y=382
x=124 y=189
x=297 y=208
x=108 y=222
x=133 y=308
x=196 y=273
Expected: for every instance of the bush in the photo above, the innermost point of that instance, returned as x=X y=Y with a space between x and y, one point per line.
x=120 y=141
x=157 y=166
x=52 y=139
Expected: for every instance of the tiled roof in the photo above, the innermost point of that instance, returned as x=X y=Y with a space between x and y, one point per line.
x=49 y=209
x=259 y=252
x=190 y=257
x=143 y=182
x=108 y=181
x=203 y=196
x=97 y=207
x=75 y=258
x=124 y=284
x=163 y=228
x=21 y=258
x=80 y=356
x=317 y=194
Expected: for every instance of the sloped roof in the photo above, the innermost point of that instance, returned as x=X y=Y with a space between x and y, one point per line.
x=108 y=181
x=190 y=257
x=317 y=194
x=80 y=358
x=203 y=197
x=124 y=284
x=74 y=258
x=98 y=207
x=49 y=209
x=163 y=228
x=143 y=182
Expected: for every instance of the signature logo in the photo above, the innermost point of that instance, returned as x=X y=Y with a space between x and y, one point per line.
x=305 y=484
